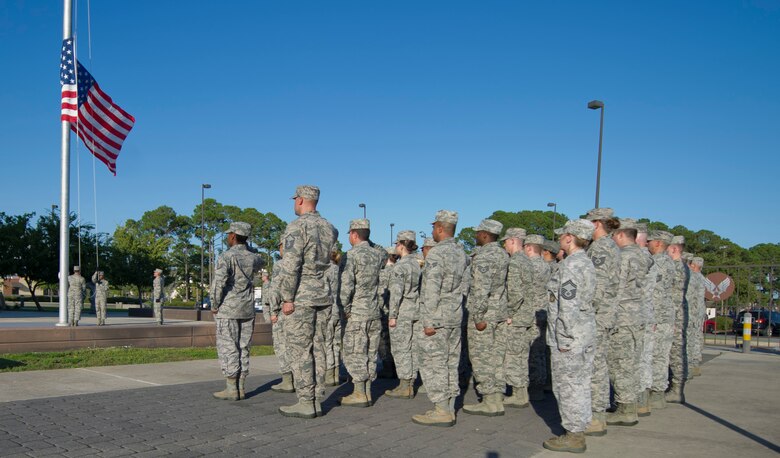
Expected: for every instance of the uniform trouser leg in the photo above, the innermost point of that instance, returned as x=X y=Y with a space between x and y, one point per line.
x=234 y=342
x=622 y=361
x=322 y=318
x=486 y=350
x=661 y=351
x=402 y=338
x=75 y=304
x=518 y=349
x=299 y=344
x=646 y=362
x=280 y=349
x=571 y=372
x=361 y=339
x=599 y=380
x=440 y=355
x=333 y=340
x=678 y=356
x=100 y=310
x=158 y=311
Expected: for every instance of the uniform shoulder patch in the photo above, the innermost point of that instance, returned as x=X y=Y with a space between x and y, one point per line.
x=289 y=242
x=484 y=269
x=599 y=260
x=568 y=290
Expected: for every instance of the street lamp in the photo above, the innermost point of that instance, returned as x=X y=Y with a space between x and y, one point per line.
x=555 y=213
x=203 y=189
x=363 y=206
x=391 y=233
x=595 y=105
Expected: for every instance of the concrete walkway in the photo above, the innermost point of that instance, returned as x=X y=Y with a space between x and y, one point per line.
x=167 y=409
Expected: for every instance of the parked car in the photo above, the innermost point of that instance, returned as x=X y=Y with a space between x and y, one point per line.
x=709 y=326
x=258 y=305
x=206 y=304
x=761 y=322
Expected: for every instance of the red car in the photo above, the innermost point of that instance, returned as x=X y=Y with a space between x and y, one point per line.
x=709 y=326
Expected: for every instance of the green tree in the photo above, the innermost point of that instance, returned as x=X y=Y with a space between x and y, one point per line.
x=135 y=253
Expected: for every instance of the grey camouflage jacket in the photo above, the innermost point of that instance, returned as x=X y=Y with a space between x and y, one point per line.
x=605 y=255
x=360 y=282
x=441 y=291
x=634 y=266
x=232 y=288
x=487 y=299
x=571 y=321
x=405 y=289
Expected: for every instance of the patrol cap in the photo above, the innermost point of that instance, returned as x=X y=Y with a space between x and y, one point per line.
x=600 y=213
x=663 y=236
x=698 y=261
x=628 y=223
x=429 y=242
x=534 y=239
x=158 y=271
x=580 y=228
x=677 y=240
x=514 y=233
x=489 y=225
x=687 y=257
x=641 y=228
x=391 y=250
x=360 y=223
x=307 y=191
x=552 y=246
x=446 y=216
x=77 y=268
x=240 y=228
x=405 y=235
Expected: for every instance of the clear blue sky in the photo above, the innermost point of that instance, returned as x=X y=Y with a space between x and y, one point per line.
x=410 y=107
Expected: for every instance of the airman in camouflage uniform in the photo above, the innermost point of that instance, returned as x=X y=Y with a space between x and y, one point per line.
x=571 y=329
x=334 y=330
x=232 y=303
x=648 y=344
x=77 y=287
x=306 y=299
x=158 y=295
x=385 y=355
x=539 y=363
x=678 y=356
x=101 y=296
x=663 y=312
x=487 y=306
x=698 y=315
x=441 y=314
x=273 y=311
x=404 y=313
x=605 y=255
x=360 y=301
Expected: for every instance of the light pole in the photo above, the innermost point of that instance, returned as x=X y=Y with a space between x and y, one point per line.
x=363 y=206
x=203 y=189
x=555 y=213
x=391 y=233
x=595 y=105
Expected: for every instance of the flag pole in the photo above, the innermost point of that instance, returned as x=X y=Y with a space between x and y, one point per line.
x=67 y=17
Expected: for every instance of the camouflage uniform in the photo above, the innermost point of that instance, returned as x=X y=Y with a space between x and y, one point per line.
x=383 y=347
x=101 y=297
x=405 y=309
x=77 y=287
x=678 y=355
x=648 y=345
x=308 y=242
x=158 y=297
x=605 y=255
x=487 y=302
x=627 y=336
x=664 y=311
x=698 y=312
x=273 y=307
x=571 y=328
x=521 y=309
x=538 y=363
x=334 y=329
x=360 y=300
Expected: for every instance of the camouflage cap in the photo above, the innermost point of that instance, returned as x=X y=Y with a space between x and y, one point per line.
x=641 y=228
x=580 y=228
x=446 y=216
x=489 y=225
x=627 y=223
x=687 y=256
x=429 y=242
x=552 y=246
x=677 y=240
x=391 y=250
x=698 y=261
x=600 y=213
x=514 y=233
x=158 y=271
x=77 y=268
x=405 y=235
x=307 y=191
x=360 y=223
x=663 y=236
x=240 y=228
x=534 y=239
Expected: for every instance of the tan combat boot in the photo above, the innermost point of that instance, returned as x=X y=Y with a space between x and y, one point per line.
x=598 y=425
x=241 y=383
x=330 y=377
x=368 y=393
x=643 y=404
x=625 y=415
x=403 y=391
x=491 y=406
x=230 y=393
x=303 y=409
x=358 y=397
x=440 y=415
x=568 y=442
x=318 y=407
x=657 y=400
x=675 y=395
x=519 y=398
x=286 y=385
x=696 y=371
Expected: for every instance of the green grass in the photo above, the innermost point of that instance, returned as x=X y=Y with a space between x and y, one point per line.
x=113 y=356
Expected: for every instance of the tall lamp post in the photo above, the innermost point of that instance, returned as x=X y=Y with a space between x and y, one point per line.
x=596 y=105
x=555 y=213
x=391 y=233
x=203 y=189
x=363 y=206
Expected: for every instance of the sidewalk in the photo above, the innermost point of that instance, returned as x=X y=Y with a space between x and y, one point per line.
x=162 y=409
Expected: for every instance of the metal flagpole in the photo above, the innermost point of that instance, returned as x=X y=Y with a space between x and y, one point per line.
x=65 y=190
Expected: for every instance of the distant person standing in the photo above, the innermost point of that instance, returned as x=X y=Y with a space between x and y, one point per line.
x=101 y=296
x=157 y=295
x=77 y=287
x=232 y=303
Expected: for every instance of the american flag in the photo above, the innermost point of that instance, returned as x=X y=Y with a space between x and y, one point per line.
x=97 y=120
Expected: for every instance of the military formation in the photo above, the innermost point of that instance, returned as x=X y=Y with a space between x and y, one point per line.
x=608 y=316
